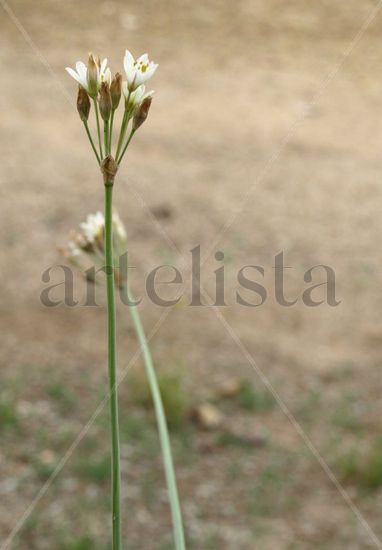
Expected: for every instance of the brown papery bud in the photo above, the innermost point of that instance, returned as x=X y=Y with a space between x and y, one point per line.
x=83 y=104
x=116 y=90
x=92 y=75
x=109 y=169
x=105 y=101
x=141 y=112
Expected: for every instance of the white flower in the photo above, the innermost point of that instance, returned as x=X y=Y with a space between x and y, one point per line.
x=136 y=97
x=81 y=74
x=138 y=71
x=92 y=228
x=72 y=249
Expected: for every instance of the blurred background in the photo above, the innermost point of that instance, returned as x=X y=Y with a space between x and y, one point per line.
x=262 y=138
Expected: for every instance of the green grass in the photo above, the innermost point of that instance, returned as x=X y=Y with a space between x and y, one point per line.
x=175 y=401
x=8 y=413
x=95 y=469
x=346 y=415
x=272 y=492
x=362 y=469
x=61 y=394
x=83 y=543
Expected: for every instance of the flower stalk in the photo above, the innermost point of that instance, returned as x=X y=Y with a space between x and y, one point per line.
x=97 y=241
x=98 y=127
x=176 y=512
x=112 y=369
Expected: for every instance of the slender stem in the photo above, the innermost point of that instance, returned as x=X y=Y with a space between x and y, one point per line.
x=111 y=130
x=125 y=122
x=91 y=141
x=176 y=512
x=126 y=145
x=106 y=136
x=112 y=363
x=98 y=127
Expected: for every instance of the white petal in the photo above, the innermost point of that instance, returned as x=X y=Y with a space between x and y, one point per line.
x=81 y=69
x=125 y=89
x=128 y=64
x=143 y=77
x=128 y=58
x=103 y=66
x=139 y=79
x=108 y=76
x=148 y=94
x=76 y=76
x=144 y=58
x=137 y=96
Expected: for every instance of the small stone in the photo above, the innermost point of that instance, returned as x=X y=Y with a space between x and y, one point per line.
x=229 y=387
x=47 y=457
x=207 y=416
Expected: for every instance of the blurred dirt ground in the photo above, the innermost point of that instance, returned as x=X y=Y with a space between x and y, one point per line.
x=231 y=159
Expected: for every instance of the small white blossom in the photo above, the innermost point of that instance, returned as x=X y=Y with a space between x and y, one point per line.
x=92 y=228
x=81 y=74
x=136 y=97
x=87 y=244
x=138 y=71
x=72 y=249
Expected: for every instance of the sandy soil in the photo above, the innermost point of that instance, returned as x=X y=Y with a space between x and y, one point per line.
x=264 y=136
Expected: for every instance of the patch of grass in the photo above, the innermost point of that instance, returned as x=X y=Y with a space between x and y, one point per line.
x=229 y=439
x=61 y=394
x=8 y=413
x=174 y=398
x=83 y=543
x=42 y=469
x=310 y=403
x=254 y=400
x=271 y=494
x=233 y=471
x=372 y=468
x=363 y=469
x=139 y=432
x=94 y=469
x=348 y=465
x=346 y=415
x=212 y=541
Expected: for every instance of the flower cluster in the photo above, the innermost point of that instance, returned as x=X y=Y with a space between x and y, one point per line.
x=88 y=242
x=97 y=85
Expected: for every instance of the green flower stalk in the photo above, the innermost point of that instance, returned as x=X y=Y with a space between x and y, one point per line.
x=103 y=238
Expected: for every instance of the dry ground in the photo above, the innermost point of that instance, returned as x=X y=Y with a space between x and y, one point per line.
x=227 y=142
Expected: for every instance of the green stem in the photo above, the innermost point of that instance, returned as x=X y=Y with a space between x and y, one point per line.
x=126 y=145
x=98 y=127
x=122 y=133
x=111 y=130
x=112 y=364
x=106 y=136
x=91 y=141
x=176 y=512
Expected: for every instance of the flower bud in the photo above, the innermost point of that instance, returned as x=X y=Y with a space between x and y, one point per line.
x=83 y=104
x=92 y=75
x=141 y=112
x=109 y=169
x=116 y=90
x=105 y=101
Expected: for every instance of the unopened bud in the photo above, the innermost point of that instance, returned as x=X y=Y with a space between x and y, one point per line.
x=83 y=104
x=141 y=112
x=92 y=75
x=116 y=90
x=105 y=101
x=109 y=169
